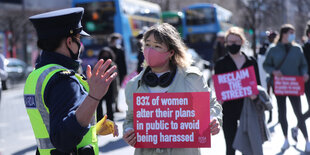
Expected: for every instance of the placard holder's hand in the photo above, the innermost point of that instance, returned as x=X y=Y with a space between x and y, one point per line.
x=106 y=127
x=214 y=126
x=277 y=73
x=129 y=137
x=253 y=97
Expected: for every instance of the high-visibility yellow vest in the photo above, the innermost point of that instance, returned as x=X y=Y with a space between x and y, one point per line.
x=38 y=112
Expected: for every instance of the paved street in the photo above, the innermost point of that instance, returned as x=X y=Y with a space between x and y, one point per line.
x=17 y=138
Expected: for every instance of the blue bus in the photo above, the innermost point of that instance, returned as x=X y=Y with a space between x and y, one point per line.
x=127 y=17
x=201 y=23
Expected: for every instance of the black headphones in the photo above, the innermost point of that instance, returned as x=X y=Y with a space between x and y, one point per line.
x=152 y=80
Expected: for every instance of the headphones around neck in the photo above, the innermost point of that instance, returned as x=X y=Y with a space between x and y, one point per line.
x=152 y=80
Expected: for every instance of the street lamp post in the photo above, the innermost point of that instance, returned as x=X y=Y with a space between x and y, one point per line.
x=253 y=4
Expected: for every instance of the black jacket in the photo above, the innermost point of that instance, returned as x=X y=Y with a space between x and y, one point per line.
x=306 y=49
x=120 y=62
x=226 y=64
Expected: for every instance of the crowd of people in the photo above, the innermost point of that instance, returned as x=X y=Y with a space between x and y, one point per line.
x=278 y=56
x=63 y=105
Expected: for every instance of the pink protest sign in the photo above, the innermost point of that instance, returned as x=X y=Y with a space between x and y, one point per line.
x=289 y=85
x=172 y=120
x=234 y=85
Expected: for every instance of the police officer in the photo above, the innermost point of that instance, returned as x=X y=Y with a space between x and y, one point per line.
x=60 y=103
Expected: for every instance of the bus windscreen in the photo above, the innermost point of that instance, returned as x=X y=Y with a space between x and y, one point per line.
x=98 y=17
x=174 y=21
x=200 y=16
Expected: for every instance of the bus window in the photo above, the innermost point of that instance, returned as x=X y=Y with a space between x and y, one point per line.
x=142 y=14
x=98 y=17
x=200 y=16
x=201 y=23
x=201 y=38
x=174 y=21
x=134 y=44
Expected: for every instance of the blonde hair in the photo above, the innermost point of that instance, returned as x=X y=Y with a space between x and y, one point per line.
x=236 y=31
x=168 y=35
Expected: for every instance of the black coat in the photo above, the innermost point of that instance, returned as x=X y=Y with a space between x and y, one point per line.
x=226 y=64
x=306 y=49
x=120 y=62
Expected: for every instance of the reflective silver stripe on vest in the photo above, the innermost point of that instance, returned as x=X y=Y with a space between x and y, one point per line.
x=44 y=143
x=43 y=112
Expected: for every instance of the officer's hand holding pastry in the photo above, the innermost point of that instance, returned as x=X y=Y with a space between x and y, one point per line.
x=106 y=127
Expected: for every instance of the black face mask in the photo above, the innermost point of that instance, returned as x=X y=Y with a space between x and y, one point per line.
x=74 y=56
x=234 y=48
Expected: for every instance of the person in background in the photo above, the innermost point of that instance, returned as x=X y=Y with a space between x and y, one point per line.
x=115 y=43
x=3 y=73
x=167 y=69
x=140 y=53
x=139 y=38
x=304 y=39
x=219 y=49
x=294 y=63
x=235 y=59
x=106 y=53
x=271 y=36
x=306 y=50
x=60 y=103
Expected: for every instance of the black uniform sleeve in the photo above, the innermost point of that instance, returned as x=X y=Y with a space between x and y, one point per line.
x=63 y=95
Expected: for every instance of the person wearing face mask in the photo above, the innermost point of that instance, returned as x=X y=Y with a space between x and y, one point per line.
x=234 y=60
x=271 y=36
x=166 y=69
x=287 y=58
x=61 y=104
x=115 y=43
x=106 y=53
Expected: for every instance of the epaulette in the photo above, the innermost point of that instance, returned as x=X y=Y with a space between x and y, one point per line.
x=83 y=77
x=66 y=73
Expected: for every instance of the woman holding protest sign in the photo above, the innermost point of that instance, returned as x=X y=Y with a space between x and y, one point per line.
x=167 y=70
x=234 y=60
x=286 y=59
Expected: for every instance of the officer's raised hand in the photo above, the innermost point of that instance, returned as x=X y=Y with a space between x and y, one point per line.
x=99 y=79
